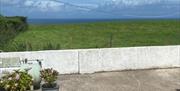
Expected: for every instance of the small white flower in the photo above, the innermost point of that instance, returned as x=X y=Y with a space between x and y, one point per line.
x=10 y=78
x=16 y=85
x=17 y=76
x=7 y=86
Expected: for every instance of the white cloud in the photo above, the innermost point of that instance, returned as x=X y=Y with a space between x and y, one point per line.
x=29 y=3
x=134 y=2
x=142 y=8
x=47 y=5
x=138 y=2
x=42 y=5
x=87 y=5
x=57 y=5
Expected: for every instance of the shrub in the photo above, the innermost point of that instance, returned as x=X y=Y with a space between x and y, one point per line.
x=49 y=76
x=10 y=27
x=16 y=81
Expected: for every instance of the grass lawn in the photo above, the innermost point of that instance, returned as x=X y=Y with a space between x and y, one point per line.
x=100 y=35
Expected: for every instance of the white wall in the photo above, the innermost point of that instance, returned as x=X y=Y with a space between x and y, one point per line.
x=105 y=59
x=129 y=58
x=65 y=61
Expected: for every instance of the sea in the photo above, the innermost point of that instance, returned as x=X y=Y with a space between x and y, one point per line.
x=72 y=21
x=66 y=21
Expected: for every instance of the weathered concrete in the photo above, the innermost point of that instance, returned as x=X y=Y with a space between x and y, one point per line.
x=110 y=59
x=104 y=59
x=89 y=61
x=65 y=61
x=140 y=80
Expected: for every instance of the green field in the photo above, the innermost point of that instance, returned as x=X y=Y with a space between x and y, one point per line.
x=97 y=35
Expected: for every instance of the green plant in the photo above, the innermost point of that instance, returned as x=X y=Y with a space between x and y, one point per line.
x=48 y=46
x=16 y=81
x=49 y=76
x=1 y=83
x=10 y=27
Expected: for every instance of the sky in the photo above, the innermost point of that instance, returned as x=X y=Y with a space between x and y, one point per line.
x=78 y=9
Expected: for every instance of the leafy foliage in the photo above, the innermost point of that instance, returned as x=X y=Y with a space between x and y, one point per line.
x=16 y=81
x=49 y=76
x=10 y=27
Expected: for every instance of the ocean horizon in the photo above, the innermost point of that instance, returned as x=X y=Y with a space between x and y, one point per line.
x=72 y=21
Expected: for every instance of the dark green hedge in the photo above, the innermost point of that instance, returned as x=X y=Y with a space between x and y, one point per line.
x=10 y=27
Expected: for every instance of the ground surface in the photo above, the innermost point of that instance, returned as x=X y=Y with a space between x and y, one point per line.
x=97 y=35
x=142 y=80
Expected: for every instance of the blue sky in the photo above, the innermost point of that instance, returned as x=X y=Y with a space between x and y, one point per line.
x=91 y=8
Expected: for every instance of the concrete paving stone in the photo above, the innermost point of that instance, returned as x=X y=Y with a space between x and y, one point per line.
x=139 y=80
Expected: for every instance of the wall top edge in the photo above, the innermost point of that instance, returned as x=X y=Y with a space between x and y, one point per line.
x=76 y=50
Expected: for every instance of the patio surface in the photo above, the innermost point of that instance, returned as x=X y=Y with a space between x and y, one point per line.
x=140 y=80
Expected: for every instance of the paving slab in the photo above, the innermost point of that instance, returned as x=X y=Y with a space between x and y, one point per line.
x=139 y=80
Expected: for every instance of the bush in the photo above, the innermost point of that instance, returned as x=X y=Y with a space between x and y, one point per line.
x=10 y=27
x=49 y=76
x=16 y=81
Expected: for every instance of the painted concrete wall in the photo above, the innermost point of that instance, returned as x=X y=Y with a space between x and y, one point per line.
x=129 y=58
x=65 y=61
x=105 y=59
